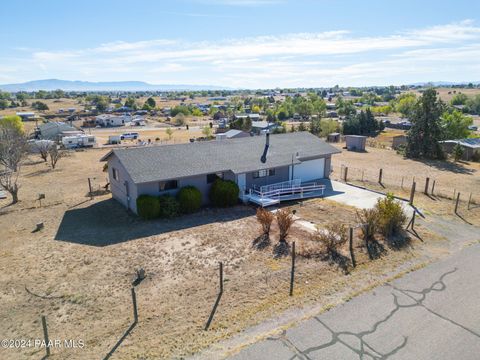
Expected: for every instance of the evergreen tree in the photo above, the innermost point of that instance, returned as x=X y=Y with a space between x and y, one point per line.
x=423 y=137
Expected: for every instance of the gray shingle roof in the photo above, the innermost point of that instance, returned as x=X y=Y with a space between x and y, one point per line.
x=155 y=163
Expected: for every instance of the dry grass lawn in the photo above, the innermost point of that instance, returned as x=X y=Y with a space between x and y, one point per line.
x=78 y=270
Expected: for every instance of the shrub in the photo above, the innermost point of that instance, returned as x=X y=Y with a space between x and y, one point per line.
x=148 y=207
x=391 y=216
x=285 y=222
x=457 y=152
x=168 y=206
x=190 y=199
x=265 y=218
x=332 y=237
x=368 y=218
x=224 y=193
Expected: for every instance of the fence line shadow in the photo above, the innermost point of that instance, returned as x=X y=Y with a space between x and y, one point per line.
x=120 y=341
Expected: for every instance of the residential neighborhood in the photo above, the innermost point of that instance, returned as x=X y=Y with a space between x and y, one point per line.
x=210 y=182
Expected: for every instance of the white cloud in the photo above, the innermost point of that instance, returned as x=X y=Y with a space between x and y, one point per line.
x=443 y=52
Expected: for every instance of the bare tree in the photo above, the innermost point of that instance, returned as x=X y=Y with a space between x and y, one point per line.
x=43 y=148
x=55 y=155
x=13 y=149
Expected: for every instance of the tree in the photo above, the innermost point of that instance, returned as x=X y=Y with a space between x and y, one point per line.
x=130 y=102
x=426 y=132
x=405 y=104
x=151 y=103
x=315 y=126
x=285 y=221
x=43 y=147
x=207 y=131
x=180 y=119
x=328 y=127
x=455 y=125
x=3 y=104
x=473 y=104
x=301 y=127
x=459 y=99
x=40 y=106
x=169 y=133
x=12 y=122
x=457 y=152
x=55 y=155
x=13 y=149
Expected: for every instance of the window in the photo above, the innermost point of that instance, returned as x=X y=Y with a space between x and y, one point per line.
x=263 y=173
x=212 y=177
x=168 y=185
x=115 y=173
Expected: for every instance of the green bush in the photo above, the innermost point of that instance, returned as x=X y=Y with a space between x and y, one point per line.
x=190 y=199
x=148 y=207
x=169 y=206
x=391 y=216
x=224 y=193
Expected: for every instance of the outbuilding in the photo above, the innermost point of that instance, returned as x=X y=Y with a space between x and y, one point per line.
x=355 y=142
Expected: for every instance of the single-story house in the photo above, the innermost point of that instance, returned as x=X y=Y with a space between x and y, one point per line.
x=471 y=147
x=53 y=130
x=107 y=120
x=250 y=162
x=262 y=127
x=355 y=142
x=231 y=134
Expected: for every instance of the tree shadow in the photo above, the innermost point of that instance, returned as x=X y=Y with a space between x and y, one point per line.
x=375 y=249
x=444 y=165
x=281 y=249
x=107 y=222
x=333 y=257
x=399 y=241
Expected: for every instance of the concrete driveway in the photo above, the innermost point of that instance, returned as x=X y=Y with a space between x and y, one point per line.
x=432 y=313
x=356 y=196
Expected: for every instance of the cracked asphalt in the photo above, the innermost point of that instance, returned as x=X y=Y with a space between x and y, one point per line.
x=432 y=313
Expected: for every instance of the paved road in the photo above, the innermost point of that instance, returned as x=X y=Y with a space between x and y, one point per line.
x=433 y=313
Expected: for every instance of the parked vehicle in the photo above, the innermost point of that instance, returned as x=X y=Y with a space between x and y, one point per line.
x=129 y=136
x=473 y=128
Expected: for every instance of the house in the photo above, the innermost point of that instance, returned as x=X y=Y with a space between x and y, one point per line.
x=107 y=120
x=231 y=134
x=262 y=127
x=253 y=117
x=355 y=142
x=26 y=115
x=471 y=147
x=251 y=162
x=53 y=130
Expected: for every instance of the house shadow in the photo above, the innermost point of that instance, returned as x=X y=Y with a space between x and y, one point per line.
x=107 y=222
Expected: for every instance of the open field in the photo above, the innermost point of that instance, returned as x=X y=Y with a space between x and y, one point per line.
x=446 y=94
x=79 y=269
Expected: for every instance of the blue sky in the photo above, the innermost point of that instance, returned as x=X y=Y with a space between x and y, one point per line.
x=241 y=43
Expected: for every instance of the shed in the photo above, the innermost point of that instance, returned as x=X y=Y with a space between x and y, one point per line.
x=231 y=134
x=333 y=137
x=471 y=147
x=355 y=142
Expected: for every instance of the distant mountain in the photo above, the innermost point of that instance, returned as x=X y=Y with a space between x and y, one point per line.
x=67 y=85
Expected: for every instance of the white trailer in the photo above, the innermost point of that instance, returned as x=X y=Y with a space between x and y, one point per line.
x=114 y=139
x=78 y=141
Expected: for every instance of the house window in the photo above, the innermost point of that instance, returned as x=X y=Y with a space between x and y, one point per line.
x=168 y=185
x=263 y=173
x=212 y=177
x=115 y=173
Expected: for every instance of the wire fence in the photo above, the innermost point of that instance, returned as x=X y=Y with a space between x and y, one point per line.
x=388 y=181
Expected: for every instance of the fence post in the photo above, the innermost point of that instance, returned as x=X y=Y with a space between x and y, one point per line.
x=45 y=335
x=427 y=182
x=469 y=201
x=402 y=183
x=90 y=188
x=456 y=203
x=134 y=302
x=292 y=273
x=380 y=174
x=433 y=186
x=412 y=193
x=345 y=172
x=363 y=171
x=352 y=255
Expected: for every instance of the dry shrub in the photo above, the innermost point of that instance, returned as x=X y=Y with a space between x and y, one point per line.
x=368 y=218
x=332 y=237
x=391 y=217
x=285 y=221
x=265 y=218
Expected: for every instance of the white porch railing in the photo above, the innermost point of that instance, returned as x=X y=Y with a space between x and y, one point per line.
x=279 y=186
x=283 y=191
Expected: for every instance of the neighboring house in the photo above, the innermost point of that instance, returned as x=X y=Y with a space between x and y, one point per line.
x=471 y=147
x=107 y=120
x=231 y=134
x=263 y=127
x=251 y=162
x=253 y=117
x=54 y=130
x=26 y=116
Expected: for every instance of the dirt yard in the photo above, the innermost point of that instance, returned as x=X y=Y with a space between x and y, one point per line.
x=448 y=175
x=78 y=270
